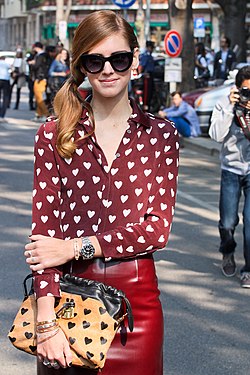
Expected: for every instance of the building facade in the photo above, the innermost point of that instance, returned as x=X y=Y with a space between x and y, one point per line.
x=23 y=22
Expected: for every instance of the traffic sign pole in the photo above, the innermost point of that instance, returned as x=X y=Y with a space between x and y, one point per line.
x=173 y=48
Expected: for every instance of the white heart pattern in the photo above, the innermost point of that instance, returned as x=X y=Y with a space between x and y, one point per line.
x=128 y=203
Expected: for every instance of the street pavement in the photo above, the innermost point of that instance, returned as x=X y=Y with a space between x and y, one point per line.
x=207 y=320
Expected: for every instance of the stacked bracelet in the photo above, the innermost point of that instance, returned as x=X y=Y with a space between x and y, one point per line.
x=47 y=328
x=76 y=249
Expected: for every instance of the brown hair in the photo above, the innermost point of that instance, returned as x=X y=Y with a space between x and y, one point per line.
x=68 y=103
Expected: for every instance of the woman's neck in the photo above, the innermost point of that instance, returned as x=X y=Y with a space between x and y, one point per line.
x=111 y=110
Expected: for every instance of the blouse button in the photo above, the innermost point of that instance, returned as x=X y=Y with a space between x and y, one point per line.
x=117 y=155
x=129 y=131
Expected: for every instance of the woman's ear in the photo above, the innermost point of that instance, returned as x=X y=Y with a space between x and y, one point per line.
x=83 y=71
x=135 y=62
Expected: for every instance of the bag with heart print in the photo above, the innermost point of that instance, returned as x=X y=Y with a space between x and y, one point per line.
x=88 y=312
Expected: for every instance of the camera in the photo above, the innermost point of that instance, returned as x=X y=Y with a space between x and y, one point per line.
x=244 y=93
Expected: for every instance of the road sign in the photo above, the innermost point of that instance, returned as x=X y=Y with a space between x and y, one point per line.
x=63 y=30
x=173 y=43
x=124 y=3
x=199 y=27
x=173 y=70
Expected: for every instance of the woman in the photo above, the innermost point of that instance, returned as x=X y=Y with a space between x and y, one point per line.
x=201 y=66
x=105 y=182
x=58 y=72
x=18 y=76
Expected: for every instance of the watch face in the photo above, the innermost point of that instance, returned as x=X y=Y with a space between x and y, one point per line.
x=87 y=251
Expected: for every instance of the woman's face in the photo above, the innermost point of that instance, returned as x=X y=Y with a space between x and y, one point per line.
x=110 y=83
x=64 y=55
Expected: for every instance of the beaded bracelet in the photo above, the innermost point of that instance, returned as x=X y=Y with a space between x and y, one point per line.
x=76 y=249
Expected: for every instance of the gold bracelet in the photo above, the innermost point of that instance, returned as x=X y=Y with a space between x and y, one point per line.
x=46 y=322
x=76 y=249
x=46 y=327
x=47 y=335
x=43 y=330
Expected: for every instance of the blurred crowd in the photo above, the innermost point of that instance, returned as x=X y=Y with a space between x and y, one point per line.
x=211 y=65
x=43 y=69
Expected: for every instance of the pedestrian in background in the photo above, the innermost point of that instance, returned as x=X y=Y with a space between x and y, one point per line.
x=224 y=60
x=183 y=115
x=18 y=75
x=230 y=118
x=40 y=66
x=147 y=67
x=58 y=72
x=4 y=87
x=99 y=168
x=202 y=72
x=30 y=77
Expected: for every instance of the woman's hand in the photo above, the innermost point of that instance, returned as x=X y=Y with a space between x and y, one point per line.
x=45 y=252
x=55 y=350
x=162 y=114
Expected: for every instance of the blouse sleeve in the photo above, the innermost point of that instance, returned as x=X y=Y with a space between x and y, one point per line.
x=45 y=207
x=153 y=232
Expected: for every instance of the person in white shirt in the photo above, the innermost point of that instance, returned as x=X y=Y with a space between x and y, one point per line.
x=4 y=87
x=230 y=125
x=18 y=76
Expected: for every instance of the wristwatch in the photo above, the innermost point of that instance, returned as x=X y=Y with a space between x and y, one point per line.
x=87 y=251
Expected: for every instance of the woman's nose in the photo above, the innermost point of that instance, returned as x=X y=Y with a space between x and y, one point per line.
x=108 y=68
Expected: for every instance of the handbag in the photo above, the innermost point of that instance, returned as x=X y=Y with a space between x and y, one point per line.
x=15 y=73
x=89 y=313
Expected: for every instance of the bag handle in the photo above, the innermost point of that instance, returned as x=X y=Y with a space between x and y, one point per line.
x=25 y=289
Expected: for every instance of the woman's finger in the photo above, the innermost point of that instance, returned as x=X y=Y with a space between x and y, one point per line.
x=68 y=355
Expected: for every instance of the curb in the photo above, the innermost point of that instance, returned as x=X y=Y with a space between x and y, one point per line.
x=204 y=145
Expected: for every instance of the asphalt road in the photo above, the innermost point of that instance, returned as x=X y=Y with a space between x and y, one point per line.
x=207 y=321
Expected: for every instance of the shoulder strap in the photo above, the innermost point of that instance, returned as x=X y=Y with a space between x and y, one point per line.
x=242 y=121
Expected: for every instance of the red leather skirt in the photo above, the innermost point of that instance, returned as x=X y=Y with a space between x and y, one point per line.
x=131 y=353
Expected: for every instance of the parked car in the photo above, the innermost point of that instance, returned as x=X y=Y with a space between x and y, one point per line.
x=9 y=56
x=191 y=96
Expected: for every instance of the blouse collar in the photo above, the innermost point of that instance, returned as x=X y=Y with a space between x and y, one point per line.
x=137 y=116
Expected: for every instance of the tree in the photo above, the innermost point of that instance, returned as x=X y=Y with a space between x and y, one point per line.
x=181 y=20
x=62 y=15
x=234 y=23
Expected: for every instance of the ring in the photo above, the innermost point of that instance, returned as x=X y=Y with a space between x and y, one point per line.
x=55 y=364
x=46 y=362
x=32 y=260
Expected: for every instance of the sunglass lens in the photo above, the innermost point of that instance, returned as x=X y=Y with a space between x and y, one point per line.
x=93 y=64
x=122 y=61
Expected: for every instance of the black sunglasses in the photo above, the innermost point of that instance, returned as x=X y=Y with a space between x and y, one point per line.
x=120 y=62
